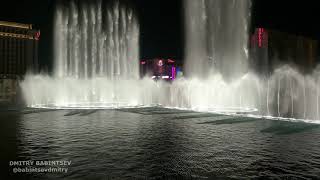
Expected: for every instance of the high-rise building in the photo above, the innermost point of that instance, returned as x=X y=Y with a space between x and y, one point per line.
x=18 y=56
x=270 y=49
x=165 y=69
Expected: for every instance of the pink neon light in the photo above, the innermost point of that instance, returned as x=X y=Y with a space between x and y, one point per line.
x=160 y=62
x=260 y=36
x=143 y=62
x=37 y=35
x=173 y=73
x=170 y=61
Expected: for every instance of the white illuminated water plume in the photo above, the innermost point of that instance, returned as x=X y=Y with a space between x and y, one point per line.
x=286 y=94
x=218 y=68
x=96 y=56
x=217 y=37
x=94 y=39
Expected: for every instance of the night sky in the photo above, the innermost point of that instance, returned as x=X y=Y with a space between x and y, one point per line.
x=296 y=17
x=161 y=22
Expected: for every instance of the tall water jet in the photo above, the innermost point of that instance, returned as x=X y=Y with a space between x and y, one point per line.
x=217 y=66
x=216 y=56
x=217 y=37
x=95 y=39
x=96 y=52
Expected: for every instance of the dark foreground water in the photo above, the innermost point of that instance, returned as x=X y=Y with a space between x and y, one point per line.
x=158 y=143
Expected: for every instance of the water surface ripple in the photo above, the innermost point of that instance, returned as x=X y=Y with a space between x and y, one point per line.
x=150 y=143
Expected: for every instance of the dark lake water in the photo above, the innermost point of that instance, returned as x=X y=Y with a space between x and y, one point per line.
x=158 y=143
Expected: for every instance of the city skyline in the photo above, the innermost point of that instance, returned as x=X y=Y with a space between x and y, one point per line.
x=161 y=23
x=159 y=89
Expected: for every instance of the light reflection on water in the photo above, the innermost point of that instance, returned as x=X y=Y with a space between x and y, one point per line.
x=161 y=143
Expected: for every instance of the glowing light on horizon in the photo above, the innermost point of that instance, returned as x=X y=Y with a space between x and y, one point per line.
x=160 y=62
x=260 y=36
x=170 y=61
x=173 y=73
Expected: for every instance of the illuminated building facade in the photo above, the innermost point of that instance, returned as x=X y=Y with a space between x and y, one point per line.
x=159 y=69
x=270 y=49
x=18 y=55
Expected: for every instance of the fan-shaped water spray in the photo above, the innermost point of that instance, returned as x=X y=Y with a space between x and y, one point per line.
x=218 y=68
x=96 y=52
x=93 y=42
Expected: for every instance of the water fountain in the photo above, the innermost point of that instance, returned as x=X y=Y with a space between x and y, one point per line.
x=90 y=42
x=96 y=52
x=96 y=65
x=217 y=65
x=217 y=37
x=216 y=60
